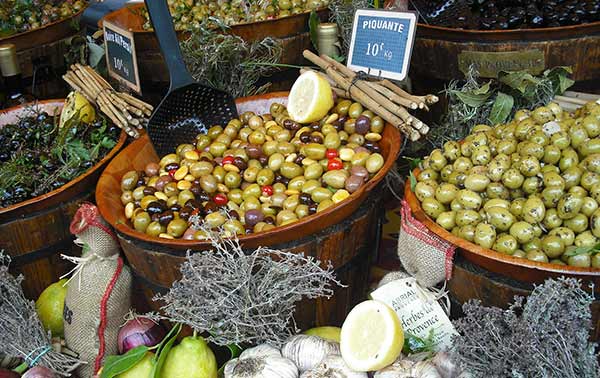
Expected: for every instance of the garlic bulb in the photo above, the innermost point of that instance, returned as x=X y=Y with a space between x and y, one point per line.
x=409 y=369
x=333 y=366
x=308 y=351
x=263 y=361
x=445 y=366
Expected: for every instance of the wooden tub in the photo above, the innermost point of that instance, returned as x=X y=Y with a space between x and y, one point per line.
x=36 y=232
x=345 y=234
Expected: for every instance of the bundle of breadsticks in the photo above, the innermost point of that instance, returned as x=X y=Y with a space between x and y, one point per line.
x=124 y=110
x=382 y=97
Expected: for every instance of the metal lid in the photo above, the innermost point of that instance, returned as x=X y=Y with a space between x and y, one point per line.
x=327 y=29
x=9 y=66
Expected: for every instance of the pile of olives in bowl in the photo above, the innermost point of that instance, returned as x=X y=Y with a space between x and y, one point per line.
x=256 y=173
x=189 y=14
x=21 y=16
x=529 y=188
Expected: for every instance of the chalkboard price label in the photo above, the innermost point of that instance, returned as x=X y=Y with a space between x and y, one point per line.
x=120 y=55
x=382 y=42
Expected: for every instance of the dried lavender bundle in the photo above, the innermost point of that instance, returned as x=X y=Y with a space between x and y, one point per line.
x=21 y=332
x=546 y=337
x=244 y=298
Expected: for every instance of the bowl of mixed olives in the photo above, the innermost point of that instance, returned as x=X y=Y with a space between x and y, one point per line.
x=262 y=177
x=526 y=192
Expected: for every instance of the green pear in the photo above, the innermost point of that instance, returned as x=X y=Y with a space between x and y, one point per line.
x=142 y=369
x=327 y=333
x=192 y=358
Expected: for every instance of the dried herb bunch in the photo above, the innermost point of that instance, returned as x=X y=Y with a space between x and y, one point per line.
x=244 y=298
x=342 y=13
x=21 y=332
x=228 y=63
x=546 y=337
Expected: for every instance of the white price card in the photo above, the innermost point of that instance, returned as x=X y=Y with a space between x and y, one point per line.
x=418 y=311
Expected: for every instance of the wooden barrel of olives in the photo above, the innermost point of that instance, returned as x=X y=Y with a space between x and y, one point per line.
x=494 y=277
x=35 y=232
x=345 y=234
x=442 y=54
x=292 y=30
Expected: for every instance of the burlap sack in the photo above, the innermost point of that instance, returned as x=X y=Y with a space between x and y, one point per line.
x=99 y=293
x=423 y=254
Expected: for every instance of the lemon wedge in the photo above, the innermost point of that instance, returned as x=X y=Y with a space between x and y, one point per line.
x=310 y=99
x=78 y=105
x=372 y=336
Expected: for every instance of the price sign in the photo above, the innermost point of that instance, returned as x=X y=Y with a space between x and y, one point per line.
x=120 y=55
x=382 y=42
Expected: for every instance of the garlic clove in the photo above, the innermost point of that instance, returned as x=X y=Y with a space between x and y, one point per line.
x=307 y=351
x=333 y=366
x=262 y=350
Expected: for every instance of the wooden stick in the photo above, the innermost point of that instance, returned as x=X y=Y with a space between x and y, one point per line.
x=393 y=96
x=582 y=96
x=572 y=100
x=428 y=99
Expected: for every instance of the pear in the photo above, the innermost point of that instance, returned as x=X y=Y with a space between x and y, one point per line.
x=50 y=306
x=142 y=369
x=192 y=358
x=327 y=333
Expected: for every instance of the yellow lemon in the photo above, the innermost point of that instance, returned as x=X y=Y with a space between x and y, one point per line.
x=77 y=105
x=327 y=333
x=310 y=99
x=372 y=336
x=50 y=306
x=192 y=358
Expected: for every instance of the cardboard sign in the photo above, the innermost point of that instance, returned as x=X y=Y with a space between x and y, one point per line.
x=382 y=42
x=120 y=56
x=418 y=310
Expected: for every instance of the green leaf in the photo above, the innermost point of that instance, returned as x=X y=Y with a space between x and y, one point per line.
x=339 y=59
x=413 y=162
x=107 y=143
x=518 y=80
x=115 y=365
x=313 y=25
x=501 y=108
x=173 y=333
x=413 y=181
x=559 y=77
x=415 y=344
x=234 y=352
x=484 y=89
x=161 y=354
x=584 y=250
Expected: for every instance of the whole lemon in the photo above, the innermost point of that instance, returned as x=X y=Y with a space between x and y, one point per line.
x=50 y=305
x=192 y=358
x=327 y=333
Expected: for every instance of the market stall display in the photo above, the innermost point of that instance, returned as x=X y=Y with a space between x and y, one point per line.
x=47 y=171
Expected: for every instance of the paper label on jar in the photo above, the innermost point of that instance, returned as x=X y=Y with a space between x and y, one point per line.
x=418 y=310
x=551 y=128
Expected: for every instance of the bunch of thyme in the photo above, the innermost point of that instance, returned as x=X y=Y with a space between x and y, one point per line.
x=546 y=337
x=21 y=332
x=228 y=63
x=244 y=298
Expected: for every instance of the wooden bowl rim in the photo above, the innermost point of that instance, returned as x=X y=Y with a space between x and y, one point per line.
x=23 y=205
x=447 y=33
x=131 y=6
x=472 y=248
x=67 y=19
x=132 y=234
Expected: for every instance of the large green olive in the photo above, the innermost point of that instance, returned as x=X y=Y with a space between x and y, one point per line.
x=582 y=260
x=551 y=219
x=585 y=239
x=432 y=207
x=455 y=205
x=467 y=217
x=522 y=231
x=422 y=190
x=578 y=223
x=569 y=205
x=589 y=179
x=535 y=243
x=506 y=244
x=437 y=160
x=590 y=147
x=589 y=206
x=469 y=199
x=485 y=235
x=467 y=232
x=427 y=175
x=374 y=163
x=314 y=151
x=315 y=170
x=532 y=185
x=129 y=180
x=321 y=194
x=551 y=195
x=569 y=159
x=232 y=180
x=537 y=255
x=572 y=176
x=553 y=246
x=529 y=166
x=447 y=220
x=507 y=146
x=497 y=190
x=533 y=210
x=500 y=218
x=476 y=182
x=578 y=135
x=516 y=206
x=519 y=253
x=512 y=179
x=457 y=178
x=290 y=170
x=596 y=260
x=462 y=164
x=336 y=179
x=451 y=150
x=155 y=229
x=496 y=170
x=552 y=154
x=445 y=193
x=496 y=202
x=553 y=179
x=141 y=221
x=481 y=155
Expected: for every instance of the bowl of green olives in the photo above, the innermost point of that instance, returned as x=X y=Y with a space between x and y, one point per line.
x=520 y=199
x=262 y=177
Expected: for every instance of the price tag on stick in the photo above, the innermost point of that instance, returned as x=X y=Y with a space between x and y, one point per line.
x=382 y=42
x=120 y=55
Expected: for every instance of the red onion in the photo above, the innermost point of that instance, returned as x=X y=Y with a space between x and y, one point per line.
x=139 y=331
x=5 y=373
x=39 y=372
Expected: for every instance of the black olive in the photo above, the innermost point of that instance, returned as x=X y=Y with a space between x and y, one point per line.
x=305 y=137
x=248 y=229
x=299 y=158
x=171 y=166
x=155 y=207
x=166 y=217
x=315 y=126
x=263 y=160
x=304 y=198
x=240 y=163
x=269 y=220
x=87 y=164
x=149 y=190
x=193 y=204
x=203 y=197
x=185 y=213
x=175 y=207
x=312 y=208
x=196 y=189
x=234 y=214
x=210 y=207
x=316 y=139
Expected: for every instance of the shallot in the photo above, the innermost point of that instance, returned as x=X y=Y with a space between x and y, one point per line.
x=139 y=331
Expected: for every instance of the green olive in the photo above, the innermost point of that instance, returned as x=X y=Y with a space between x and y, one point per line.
x=516 y=206
x=250 y=174
x=581 y=261
x=455 y=205
x=506 y=244
x=265 y=177
x=355 y=110
x=446 y=172
x=451 y=150
x=467 y=232
x=155 y=229
x=512 y=179
x=572 y=176
x=336 y=179
x=553 y=179
x=447 y=220
x=589 y=206
x=177 y=227
x=589 y=179
x=462 y=164
x=495 y=170
x=476 y=182
x=529 y=166
x=552 y=154
x=585 y=239
x=422 y=190
x=522 y=231
x=219 y=173
x=590 y=147
x=523 y=128
x=457 y=178
x=496 y=202
x=537 y=255
x=290 y=170
x=533 y=210
x=534 y=244
x=310 y=185
x=235 y=196
x=565 y=234
x=591 y=125
x=578 y=135
x=500 y=218
x=497 y=190
x=519 y=253
x=141 y=221
x=551 y=195
x=507 y=146
x=469 y=199
x=432 y=207
x=332 y=140
x=232 y=180
x=569 y=159
x=342 y=107
x=578 y=223
x=437 y=160
x=553 y=246
x=146 y=201
x=184 y=196
x=321 y=194
x=485 y=235
x=561 y=140
x=252 y=190
x=374 y=163
x=551 y=219
x=129 y=180
x=532 y=185
x=427 y=174
x=467 y=217
x=445 y=193
x=208 y=183
x=569 y=205
x=481 y=155
x=314 y=151
x=596 y=260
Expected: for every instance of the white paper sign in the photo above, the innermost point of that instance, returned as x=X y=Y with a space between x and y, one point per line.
x=418 y=311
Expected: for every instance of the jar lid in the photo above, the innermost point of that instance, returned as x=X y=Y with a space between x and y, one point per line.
x=9 y=66
x=327 y=28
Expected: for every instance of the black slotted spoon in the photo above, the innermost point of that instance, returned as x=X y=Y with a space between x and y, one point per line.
x=188 y=108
